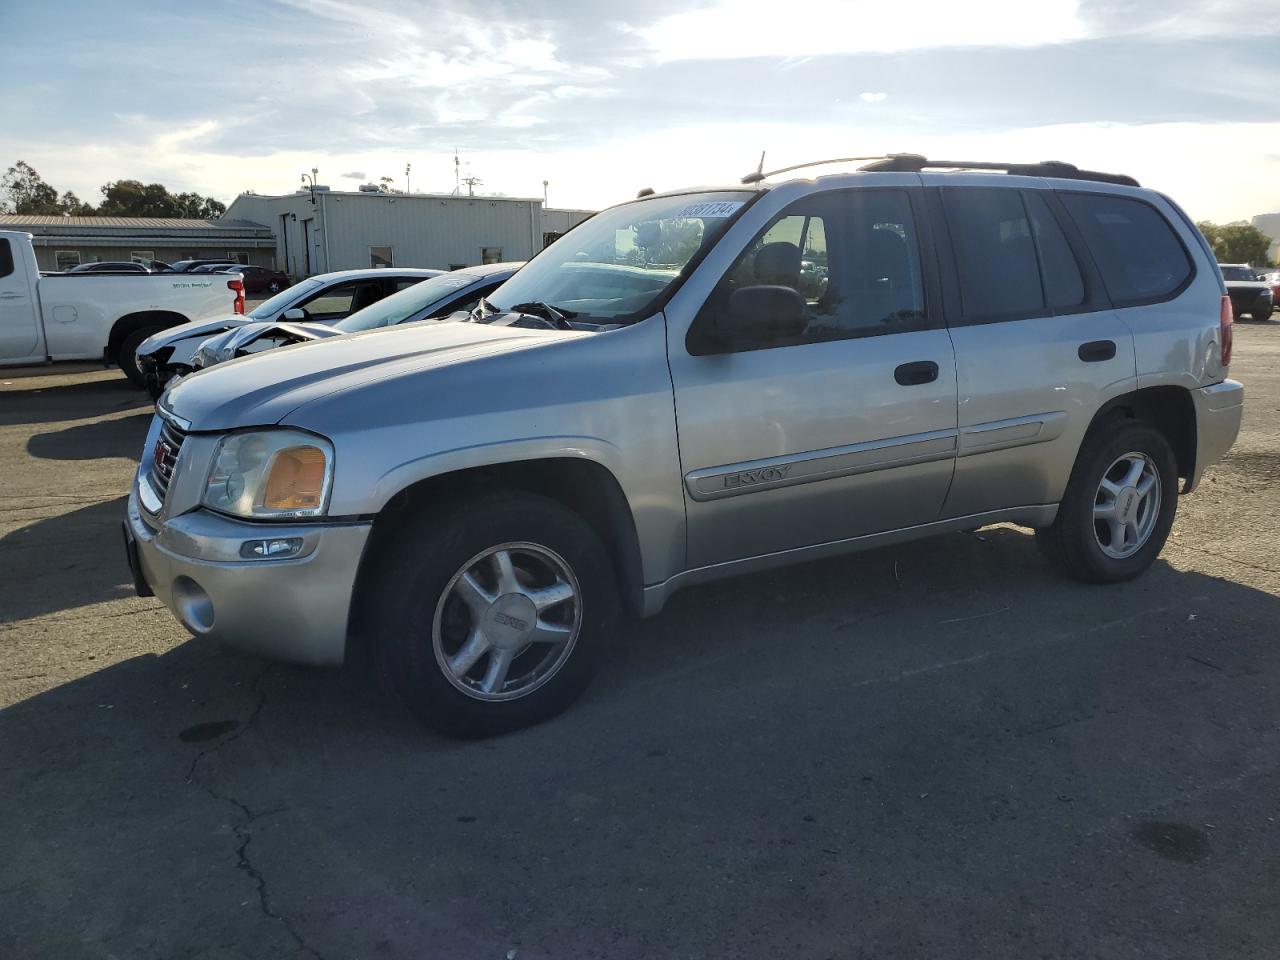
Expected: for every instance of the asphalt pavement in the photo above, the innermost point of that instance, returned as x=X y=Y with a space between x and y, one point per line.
x=935 y=750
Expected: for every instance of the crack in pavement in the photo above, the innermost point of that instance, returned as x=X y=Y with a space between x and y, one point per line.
x=241 y=828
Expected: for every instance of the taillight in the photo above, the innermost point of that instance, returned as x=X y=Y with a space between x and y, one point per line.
x=238 y=287
x=1226 y=321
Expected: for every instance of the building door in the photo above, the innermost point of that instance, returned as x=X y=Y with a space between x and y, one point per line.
x=306 y=245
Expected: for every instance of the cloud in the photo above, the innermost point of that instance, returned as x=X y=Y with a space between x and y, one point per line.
x=869 y=97
x=353 y=175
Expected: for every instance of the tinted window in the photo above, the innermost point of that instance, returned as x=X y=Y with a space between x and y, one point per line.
x=6 y=259
x=1237 y=273
x=995 y=254
x=1063 y=283
x=1137 y=252
x=854 y=258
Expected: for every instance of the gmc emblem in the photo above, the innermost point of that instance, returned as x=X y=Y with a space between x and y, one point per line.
x=161 y=454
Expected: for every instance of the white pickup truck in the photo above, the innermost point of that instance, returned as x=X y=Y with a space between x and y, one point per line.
x=91 y=316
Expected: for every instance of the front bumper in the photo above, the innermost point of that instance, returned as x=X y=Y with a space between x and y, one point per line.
x=292 y=609
x=1219 y=409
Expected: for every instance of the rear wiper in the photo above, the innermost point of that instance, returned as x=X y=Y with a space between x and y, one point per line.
x=556 y=315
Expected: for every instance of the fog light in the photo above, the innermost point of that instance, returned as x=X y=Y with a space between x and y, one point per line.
x=277 y=549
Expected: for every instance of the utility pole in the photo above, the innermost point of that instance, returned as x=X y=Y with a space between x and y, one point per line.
x=544 y=191
x=472 y=183
x=406 y=177
x=457 y=173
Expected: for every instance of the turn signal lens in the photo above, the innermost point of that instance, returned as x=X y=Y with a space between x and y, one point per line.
x=295 y=480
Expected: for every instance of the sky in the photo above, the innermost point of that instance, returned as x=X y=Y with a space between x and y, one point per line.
x=601 y=98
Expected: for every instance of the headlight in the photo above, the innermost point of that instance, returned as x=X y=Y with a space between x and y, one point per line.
x=270 y=474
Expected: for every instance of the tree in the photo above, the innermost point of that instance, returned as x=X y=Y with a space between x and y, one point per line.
x=73 y=206
x=133 y=198
x=1236 y=242
x=27 y=192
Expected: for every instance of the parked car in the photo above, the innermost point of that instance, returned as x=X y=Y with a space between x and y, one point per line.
x=1248 y=291
x=324 y=299
x=1272 y=279
x=110 y=266
x=186 y=266
x=653 y=402
x=95 y=316
x=263 y=280
x=214 y=268
x=438 y=297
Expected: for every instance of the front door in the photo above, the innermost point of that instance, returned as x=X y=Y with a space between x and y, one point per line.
x=19 y=326
x=843 y=429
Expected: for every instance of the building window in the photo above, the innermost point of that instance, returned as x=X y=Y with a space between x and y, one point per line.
x=380 y=257
x=143 y=257
x=490 y=254
x=457 y=266
x=233 y=257
x=66 y=259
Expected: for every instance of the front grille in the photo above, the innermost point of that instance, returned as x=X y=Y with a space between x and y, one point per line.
x=164 y=456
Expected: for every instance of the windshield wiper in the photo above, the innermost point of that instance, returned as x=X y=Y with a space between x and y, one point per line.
x=556 y=315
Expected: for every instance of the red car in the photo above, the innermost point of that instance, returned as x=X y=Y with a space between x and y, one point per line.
x=261 y=279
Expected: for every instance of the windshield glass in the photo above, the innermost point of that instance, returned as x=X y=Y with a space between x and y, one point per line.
x=402 y=305
x=1237 y=273
x=268 y=309
x=614 y=266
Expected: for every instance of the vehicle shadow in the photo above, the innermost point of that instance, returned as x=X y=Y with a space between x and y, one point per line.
x=63 y=562
x=902 y=749
x=100 y=439
x=74 y=400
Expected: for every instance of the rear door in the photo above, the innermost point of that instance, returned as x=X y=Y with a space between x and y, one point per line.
x=19 y=325
x=1038 y=347
x=845 y=429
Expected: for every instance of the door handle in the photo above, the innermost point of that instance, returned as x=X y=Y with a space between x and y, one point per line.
x=914 y=374
x=1095 y=351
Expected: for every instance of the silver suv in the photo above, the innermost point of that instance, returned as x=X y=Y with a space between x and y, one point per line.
x=690 y=386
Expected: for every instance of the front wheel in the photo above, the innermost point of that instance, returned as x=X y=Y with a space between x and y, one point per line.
x=273 y=286
x=1119 y=505
x=1263 y=314
x=127 y=357
x=494 y=615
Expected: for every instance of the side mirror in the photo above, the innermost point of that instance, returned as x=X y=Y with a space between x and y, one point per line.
x=762 y=313
x=294 y=313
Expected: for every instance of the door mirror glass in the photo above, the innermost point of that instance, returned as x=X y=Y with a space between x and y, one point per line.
x=294 y=313
x=762 y=313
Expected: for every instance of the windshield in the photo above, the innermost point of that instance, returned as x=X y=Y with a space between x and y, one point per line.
x=268 y=309
x=1237 y=273
x=615 y=266
x=400 y=306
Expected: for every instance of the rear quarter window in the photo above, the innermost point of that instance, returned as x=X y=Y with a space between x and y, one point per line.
x=1136 y=249
x=6 y=259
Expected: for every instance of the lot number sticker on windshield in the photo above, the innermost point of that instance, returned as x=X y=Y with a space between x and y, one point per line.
x=709 y=209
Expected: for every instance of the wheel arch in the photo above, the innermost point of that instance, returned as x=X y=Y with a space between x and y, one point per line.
x=1170 y=409
x=135 y=321
x=581 y=484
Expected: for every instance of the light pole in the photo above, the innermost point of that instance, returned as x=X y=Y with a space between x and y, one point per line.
x=544 y=192
x=406 y=177
x=310 y=180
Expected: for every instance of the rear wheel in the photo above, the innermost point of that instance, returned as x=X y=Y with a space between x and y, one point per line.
x=127 y=358
x=1263 y=313
x=1119 y=505
x=492 y=616
x=273 y=286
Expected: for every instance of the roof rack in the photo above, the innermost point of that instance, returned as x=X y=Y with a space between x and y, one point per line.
x=914 y=163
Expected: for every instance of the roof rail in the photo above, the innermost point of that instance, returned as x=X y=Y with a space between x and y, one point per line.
x=914 y=163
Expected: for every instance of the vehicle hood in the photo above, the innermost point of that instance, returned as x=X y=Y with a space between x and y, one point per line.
x=265 y=388
x=185 y=331
x=224 y=346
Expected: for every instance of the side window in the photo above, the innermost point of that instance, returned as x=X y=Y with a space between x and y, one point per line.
x=1138 y=254
x=344 y=299
x=995 y=254
x=854 y=258
x=404 y=284
x=6 y=259
x=1063 y=282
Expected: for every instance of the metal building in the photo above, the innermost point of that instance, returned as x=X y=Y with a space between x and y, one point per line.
x=64 y=242
x=341 y=230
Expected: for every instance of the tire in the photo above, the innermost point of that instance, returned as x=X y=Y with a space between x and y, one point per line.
x=126 y=357
x=1086 y=548
x=422 y=617
x=1262 y=315
x=273 y=286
